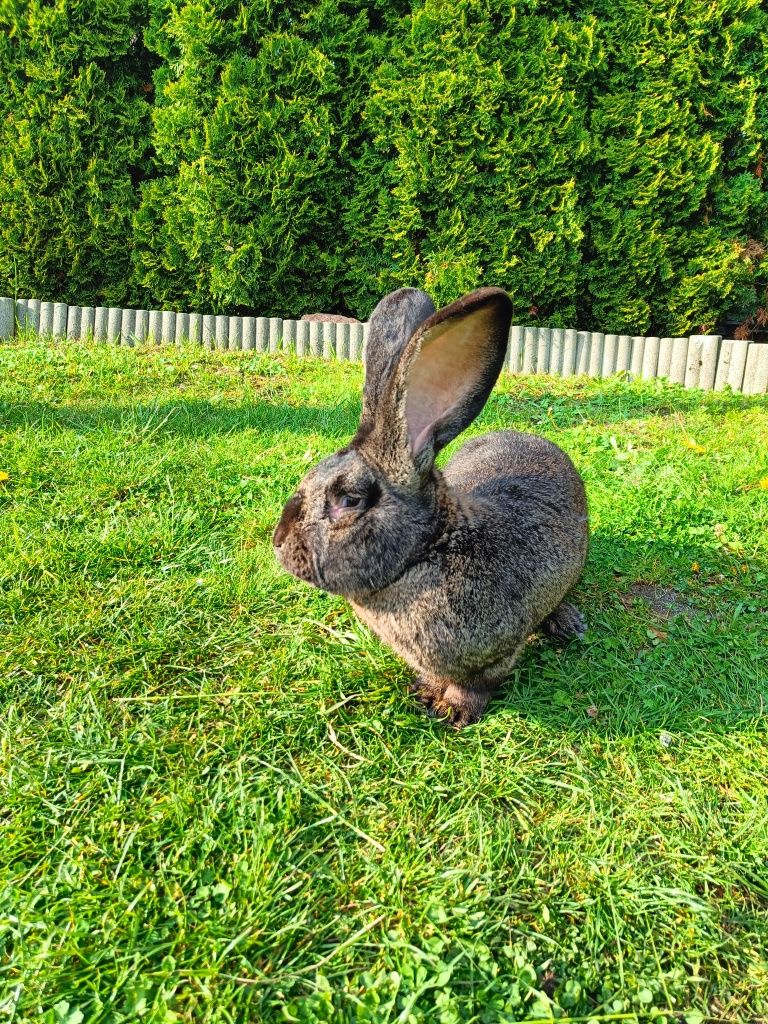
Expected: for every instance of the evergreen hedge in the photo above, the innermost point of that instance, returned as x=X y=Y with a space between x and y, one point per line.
x=602 y=161
x=477 y=125
x=74 y=145
x=674 y=191
x=257 y=120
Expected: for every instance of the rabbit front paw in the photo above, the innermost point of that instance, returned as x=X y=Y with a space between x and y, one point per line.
x=457 y=705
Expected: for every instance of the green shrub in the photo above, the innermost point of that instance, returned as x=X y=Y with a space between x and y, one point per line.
x=674 y=193
x=606 y=162
x=257 y=117
x=471 y=175
x=74 y=134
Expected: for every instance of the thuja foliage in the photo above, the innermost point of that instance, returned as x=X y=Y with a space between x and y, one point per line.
x=605 y=162
x=677 y=208
x=257 y=119
x=478 y=134
x=74 y=143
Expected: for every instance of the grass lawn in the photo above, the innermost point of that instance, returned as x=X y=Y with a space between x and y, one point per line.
x=218 y=801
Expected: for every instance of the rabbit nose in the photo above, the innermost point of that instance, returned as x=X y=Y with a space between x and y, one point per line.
x=291 y=513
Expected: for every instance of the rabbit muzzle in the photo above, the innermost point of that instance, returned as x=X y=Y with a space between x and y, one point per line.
x=290 y=543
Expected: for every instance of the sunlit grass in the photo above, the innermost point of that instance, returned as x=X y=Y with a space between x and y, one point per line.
x=218 y=801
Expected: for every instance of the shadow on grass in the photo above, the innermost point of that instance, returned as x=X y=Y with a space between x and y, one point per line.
x=186 y=418
x=570 y=403
x=523 y=403
x=665 y=650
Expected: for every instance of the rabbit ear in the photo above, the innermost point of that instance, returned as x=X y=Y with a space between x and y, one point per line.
x=390 y=327
x=427 y=375
x=449 y=369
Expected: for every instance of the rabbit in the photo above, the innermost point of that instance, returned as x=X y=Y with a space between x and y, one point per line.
x=454 y=569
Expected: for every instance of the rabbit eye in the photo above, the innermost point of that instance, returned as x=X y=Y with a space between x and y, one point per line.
x=340 y=507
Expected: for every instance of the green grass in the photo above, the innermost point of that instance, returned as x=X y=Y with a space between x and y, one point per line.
x=218 y=801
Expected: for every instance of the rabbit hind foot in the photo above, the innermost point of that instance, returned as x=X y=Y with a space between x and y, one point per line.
x=565 y=623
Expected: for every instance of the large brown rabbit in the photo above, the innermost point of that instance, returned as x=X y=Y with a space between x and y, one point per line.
x=453 y=569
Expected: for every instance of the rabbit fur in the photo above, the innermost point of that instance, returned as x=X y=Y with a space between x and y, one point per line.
x=454 y=568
